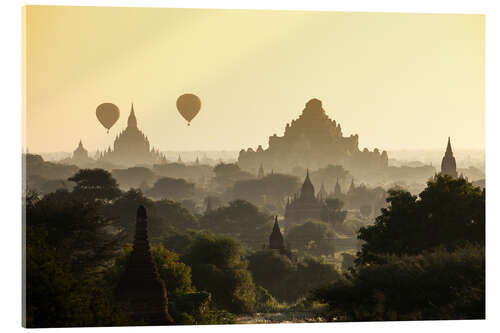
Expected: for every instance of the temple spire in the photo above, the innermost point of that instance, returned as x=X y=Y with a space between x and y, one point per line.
x=141 y=286
x=132 y=120
x=276 y=241
x=448 y=164
x=448 y=148
x=307 y=192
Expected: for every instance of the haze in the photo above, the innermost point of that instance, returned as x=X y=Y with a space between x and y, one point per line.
x=400 y=81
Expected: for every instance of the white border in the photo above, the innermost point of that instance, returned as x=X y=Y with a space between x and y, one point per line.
x=10 y=20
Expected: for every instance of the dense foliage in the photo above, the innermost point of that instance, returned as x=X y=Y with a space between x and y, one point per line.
x=422 y=259
x=312 y=237
x=435 y=285
x=449 y=212
x=239 y=219
x=287 y=280
x=217 y=267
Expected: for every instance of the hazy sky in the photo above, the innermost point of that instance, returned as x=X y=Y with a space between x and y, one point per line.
x=397 y=80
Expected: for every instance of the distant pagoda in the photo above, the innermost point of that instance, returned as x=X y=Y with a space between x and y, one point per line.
x=276 y=241
x=314 y=141
x=141 y=287
x=304 y=205
x=131 y=147
x=448 y=164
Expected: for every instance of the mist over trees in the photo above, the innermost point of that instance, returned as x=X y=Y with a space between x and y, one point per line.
x=210 y=242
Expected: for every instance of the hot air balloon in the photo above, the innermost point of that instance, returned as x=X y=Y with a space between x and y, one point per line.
x=188 y=105
x=107 y=114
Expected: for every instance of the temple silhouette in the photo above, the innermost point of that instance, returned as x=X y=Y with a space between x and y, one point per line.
x=277 y=242
x=131 y=147
x=448 y=164
x=140 y=287
x=80 y=157
x=314 y=141
x=305 y=204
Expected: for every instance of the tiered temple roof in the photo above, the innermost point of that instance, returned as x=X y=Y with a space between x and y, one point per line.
x=131 y=147
x=312 y=140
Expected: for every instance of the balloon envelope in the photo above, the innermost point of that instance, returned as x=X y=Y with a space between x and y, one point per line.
x=107 y=114
x=188 y=105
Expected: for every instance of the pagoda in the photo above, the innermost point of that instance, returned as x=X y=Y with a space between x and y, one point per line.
x=304 y=205
x=131 y=147
x=140 y=287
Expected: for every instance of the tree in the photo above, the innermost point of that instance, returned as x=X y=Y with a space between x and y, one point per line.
x=226 y=174
x=273 y=189
x=287 y=280
x=329 y=174
x=56 y=296
x=271 y=270
x=172 y=188
x=174 y=214
x=449 y=212
x=95 y=184
x=241 y=220
x=164 y=215
x=67 y=242
x=133 y=177
x=433 y=285
x=217 y=268
x=78 y=229
x=311 y=237
x=332 y=212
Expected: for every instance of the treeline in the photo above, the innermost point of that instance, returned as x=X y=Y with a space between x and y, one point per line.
x=195 y=184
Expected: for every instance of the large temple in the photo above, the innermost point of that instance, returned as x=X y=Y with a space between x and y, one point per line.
x=314 y=141
x=448 y=164
x=304 y=205
x=131 y=147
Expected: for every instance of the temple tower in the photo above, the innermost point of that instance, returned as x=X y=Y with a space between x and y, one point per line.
x=132 y=120
x=80 y=152
x=448 y=164
x=276 y=241
x=141 y=287
x=307 y=191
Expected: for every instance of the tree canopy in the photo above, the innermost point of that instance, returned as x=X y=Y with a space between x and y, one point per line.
x=171 y=188
x=241 y=220
x=449 y=212
x=92 y=184
x=217 y=268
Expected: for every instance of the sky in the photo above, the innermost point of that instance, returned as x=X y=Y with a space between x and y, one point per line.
x=399 y=81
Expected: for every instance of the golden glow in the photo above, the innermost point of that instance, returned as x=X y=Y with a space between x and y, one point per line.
x=398 y=80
